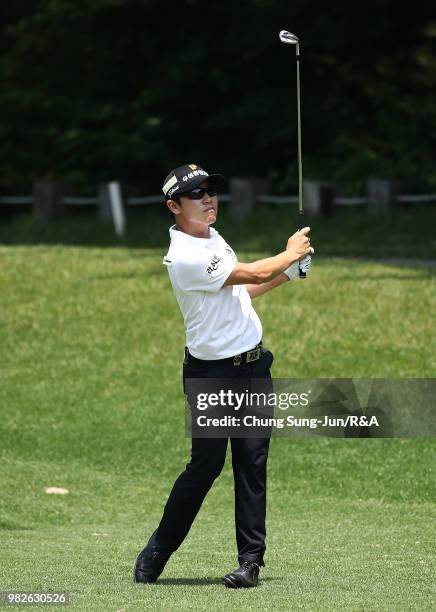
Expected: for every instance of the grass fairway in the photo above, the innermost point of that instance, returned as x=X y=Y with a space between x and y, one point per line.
x=91 y=344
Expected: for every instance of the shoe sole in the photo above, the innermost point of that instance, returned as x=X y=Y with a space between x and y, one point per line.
x=229 y=584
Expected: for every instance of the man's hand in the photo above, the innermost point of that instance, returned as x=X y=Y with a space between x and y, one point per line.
x=265 y=270
x=299 y=243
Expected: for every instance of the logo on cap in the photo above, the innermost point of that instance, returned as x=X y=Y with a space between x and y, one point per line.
x=193 y=166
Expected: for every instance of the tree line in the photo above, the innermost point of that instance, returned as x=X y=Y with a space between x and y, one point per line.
x=126 y=89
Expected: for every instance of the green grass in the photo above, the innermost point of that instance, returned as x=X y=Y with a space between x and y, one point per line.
x=91 y=343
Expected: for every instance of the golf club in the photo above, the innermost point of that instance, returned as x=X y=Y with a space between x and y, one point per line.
x=290 y=39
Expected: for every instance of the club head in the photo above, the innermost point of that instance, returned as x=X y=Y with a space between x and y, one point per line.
x=288 y=38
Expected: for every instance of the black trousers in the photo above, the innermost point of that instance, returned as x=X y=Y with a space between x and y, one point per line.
x=249 y=462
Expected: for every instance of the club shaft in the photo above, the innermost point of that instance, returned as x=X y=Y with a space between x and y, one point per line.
x=302 y=274
x=300 y=161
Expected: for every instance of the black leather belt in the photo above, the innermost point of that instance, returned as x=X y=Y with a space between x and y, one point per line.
x=237 y=360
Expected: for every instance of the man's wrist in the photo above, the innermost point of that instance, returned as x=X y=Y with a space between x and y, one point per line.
x=292 y=256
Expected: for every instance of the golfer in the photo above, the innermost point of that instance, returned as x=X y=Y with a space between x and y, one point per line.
x=223 y=340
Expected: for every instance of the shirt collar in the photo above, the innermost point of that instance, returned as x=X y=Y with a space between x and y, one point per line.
x=176 y=234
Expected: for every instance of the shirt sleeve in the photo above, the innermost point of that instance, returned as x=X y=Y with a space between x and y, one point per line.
x=208 y=271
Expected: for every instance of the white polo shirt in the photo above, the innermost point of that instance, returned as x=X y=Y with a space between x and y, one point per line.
x=220 y=321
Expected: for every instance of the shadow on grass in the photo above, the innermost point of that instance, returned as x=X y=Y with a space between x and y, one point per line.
x=9 y=526
x=203 y=581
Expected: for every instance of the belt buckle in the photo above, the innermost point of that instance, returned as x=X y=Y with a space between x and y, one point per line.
x=237 y=359
x=253 y=355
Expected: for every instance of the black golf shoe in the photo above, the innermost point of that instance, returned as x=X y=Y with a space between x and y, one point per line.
x=149 y=564
x=244 y=577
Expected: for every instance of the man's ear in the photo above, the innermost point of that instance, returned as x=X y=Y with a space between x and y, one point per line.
x=173 y=206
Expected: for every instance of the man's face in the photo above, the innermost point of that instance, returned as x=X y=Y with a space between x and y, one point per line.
x=202 y=211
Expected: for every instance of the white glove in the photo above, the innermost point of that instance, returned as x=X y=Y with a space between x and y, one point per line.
x=292 y=272
x=304 y=265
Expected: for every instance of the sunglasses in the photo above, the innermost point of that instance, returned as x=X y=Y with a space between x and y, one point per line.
x=198 y=193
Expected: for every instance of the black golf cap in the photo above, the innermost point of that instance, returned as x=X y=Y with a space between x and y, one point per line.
x=187 y=177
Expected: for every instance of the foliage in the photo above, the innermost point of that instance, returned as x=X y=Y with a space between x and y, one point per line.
x=125 y=89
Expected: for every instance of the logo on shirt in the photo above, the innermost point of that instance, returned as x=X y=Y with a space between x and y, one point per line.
x=213 y=264
x=230 y=252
